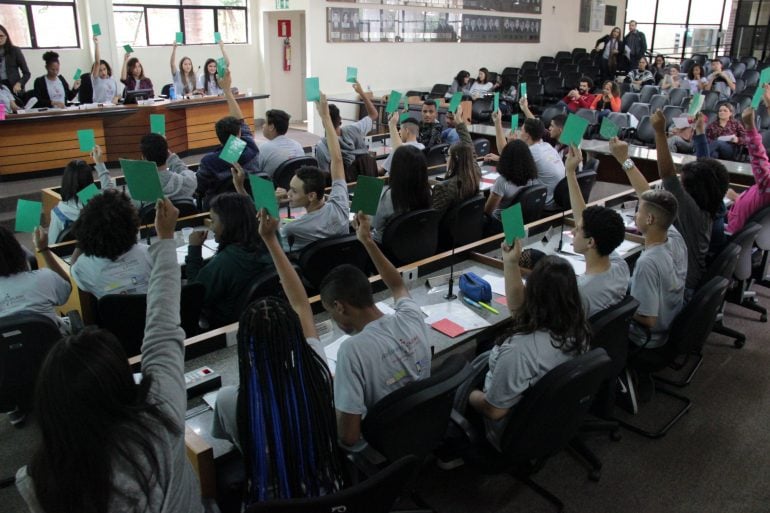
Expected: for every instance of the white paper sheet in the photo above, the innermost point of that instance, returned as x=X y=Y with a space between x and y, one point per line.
x=681 y=122
x=497 y=283
x=457 y=312
x=727 y=138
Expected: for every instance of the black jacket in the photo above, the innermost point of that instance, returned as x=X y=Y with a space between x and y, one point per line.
x=40 y=91
x=14 y=60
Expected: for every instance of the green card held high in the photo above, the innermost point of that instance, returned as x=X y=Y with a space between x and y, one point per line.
x=352 y=75
x=513 y=223
x=217 y=37
x=523 y=90
x=608 y=130
x=573 y=130
x=158 y=124
x=221 y=67
x=87 y=193
x=142 y=179
x=496 y=103
x=696 y=102
x=312 y=89
x=128 y=49
x=87 y=140
x=232 y=150
x=764 y=77
x=393 y=101
x=96 y=29
x=78 y=73
x=180 y=37
x=457 y=98
x=263 y=192
x=28 y=215
x=514 y=122
x=367 y=196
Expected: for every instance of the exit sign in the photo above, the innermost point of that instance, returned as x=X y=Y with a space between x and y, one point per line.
x=281 y=4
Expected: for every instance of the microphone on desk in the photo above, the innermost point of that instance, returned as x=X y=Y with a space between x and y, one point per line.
x=450 y=295
x=561 y=233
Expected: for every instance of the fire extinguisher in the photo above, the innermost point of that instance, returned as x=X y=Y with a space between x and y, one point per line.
x=286 y=54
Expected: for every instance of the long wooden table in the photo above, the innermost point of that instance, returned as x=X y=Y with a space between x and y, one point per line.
x=44 y=141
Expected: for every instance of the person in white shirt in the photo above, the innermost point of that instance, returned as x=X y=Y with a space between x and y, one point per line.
x=550 y=168
x=208 y=82
x=185 y=82
x=482 y=85
x=104 y=85
x=405 y=136
x=279 y=148
x=77 y=176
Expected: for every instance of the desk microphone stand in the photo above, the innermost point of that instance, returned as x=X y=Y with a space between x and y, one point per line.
x=450 y=295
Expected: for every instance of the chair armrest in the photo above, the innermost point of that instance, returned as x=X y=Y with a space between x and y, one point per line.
x=76 y=322
x=364 y=458
x=201 y=456
x=467 y=428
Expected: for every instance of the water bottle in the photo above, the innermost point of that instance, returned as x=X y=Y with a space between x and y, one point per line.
x=171 y=93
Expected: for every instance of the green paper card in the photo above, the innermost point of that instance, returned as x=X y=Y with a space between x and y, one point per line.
x=78 y=73
x=696 y=102
x=523 y=89
x=393 y=101
x=96 y=29
x=28 y=215
x=403 y=117
x=87 y=193
x=764 y=77
x=352 y=75
x=128 y=49
x=87 y=140
x=573 y=130
x=757 y=99
x=221 y=67
x=514 y=123
x=217 y=37
x=608 y=130
x=457 y=98
x=142 y=179
x=312 y=89
x=158 y=124
x=232 y=150
x=263 y=192
x=513 y=223
x=367 y=196
x=180 y=37
x=496 y=103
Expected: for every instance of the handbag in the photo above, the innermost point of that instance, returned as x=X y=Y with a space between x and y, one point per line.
x=475 y=288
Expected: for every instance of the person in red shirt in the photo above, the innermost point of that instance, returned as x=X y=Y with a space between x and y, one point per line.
x=580 y=98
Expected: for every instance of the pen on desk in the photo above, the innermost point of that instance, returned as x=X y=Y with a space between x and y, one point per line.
x=484 y=305
x=471 y=302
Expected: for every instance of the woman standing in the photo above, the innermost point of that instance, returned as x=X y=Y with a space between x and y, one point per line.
x=52 y=90
x=132 y=75
x=11 y=61
x=183 y=77
x=105 y=86
x=611 y=52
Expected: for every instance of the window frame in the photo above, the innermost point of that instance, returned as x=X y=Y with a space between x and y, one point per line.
x=180 y=7
x=28 y=5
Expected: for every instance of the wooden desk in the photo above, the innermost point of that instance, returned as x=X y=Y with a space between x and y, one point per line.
x=45 y=141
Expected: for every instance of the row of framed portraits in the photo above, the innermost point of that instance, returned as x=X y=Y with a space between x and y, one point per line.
x=521 y=6
x=364 y=25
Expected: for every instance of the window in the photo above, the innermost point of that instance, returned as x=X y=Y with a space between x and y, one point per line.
x=41 y=24
x=156 y=22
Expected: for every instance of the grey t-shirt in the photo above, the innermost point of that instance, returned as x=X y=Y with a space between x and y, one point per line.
x=105 y=89
x=387 y=354
x=600 y=291
x=550 y=168
x=385 y=211
x=128 y=274
x=274 y=153
x=695 y=226
x=352 y=143
x=34 y=292
x=514 y=366
x=55 y=90
x=330 y=220
x=658 y=284
x=506 y=190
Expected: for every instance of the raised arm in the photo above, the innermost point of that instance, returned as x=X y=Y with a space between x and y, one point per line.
x=239 y=179
x=371 y=111
x=224 y=54
x=574 y=158
x=97 y=59
x=225 y=83
x=665 y=162
x=700 y=140
x=514 y=285
x=395 y=137
x=41 y=246
x=461 y=127
x=500 y=139
x=172 y=61
x=619 y=150
x=105 y=180
x=290 y=281
x=389 y=274
x=524 y=105
x=332 y=140
x=124 y=67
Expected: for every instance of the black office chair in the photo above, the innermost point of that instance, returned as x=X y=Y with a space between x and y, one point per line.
x=186 y=207
x=549 y=113
x=438 y=91
x=710 y=101
x=436 y=155
x=553 y=89
x=658 y=101
x=677 y=96
x=687 y=334
x=751 y=77
x=647 y=92
x=86 y=91
x=481 y=146
x=639 y=110
x=166 y=90
x=66 y=235
x=378 y=494
x=586 y=181
x=124 y=315
x=627 y=100
x=285 y=172
x=532 y=199
x=462 y=224
x=319 y=257
x=481 y=110
x=411 y=236
x=267 y=283
x=644 y=134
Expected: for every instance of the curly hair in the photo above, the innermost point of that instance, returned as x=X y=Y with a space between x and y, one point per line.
x=605 y=226
x=12 y=258
x=107 y=226
x=517 y=164
x=706 y=180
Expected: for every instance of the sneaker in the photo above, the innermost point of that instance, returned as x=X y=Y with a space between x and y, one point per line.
x=17 y=417
x=625 y=395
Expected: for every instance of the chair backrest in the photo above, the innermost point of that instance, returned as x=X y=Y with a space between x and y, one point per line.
x=686 y=65
x=124 y=315
x=528 y=65
x=678 y=94
x=639 y=110
x=66 y=235
x=166 y=89
x=692 y=325
x=377 y=494
x=750 y=62
x=723 y=264
x=563 y=55
x=627 y=100
x=745 y=239
x=438 y=90
x=549 y=113
x=481 y=110
x=550 y=413
x=671 y=112
x=532 y=199
x=561 y=194
x=436 y=155
x=620 y=119
x=738 y=69
x=267 y=283
x=658 y=101
x=700 y=58
x=284 y=173
x=411 y=236
x=711 y=100
x=763 y=114
x=25 y=339
x=743 y=102
x=647 y=93
x=463 y=223
x=751 y=77
x=554 y=86
x=766 y=140
x=592 y=116
x=414 y=418
x=86 y=91
x=609 y=330
x=319 y=257
x=481 y=146
x=587 y=179
x=644 y=131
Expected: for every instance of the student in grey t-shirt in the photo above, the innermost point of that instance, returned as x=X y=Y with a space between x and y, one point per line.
x=279 y=148
x=404 y=136
x=550 y=168
x=386 y=352
x=104 y=84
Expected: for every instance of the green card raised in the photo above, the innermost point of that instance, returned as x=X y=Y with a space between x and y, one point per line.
x=608 y=130
x=180 y=37
x=128 y=49
x=513 y=223
x=87 y=140
x=142 y=179
x=263 y=192
x=573 y=130
x=158 y=124
x=393 y=102
x=457 y=98
x=367 y=195
x=696 y=102
x=352 y=75
x=496 y=103
x=312 y=89
x=764 y=77
x=232 y=150
x=403 y=117
x=514 y=123
x=28 y=215
x=96 y=29
x=78 y=74
x=221 y=67
x=87 y=193
x=217 y=37
x=523 y=90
